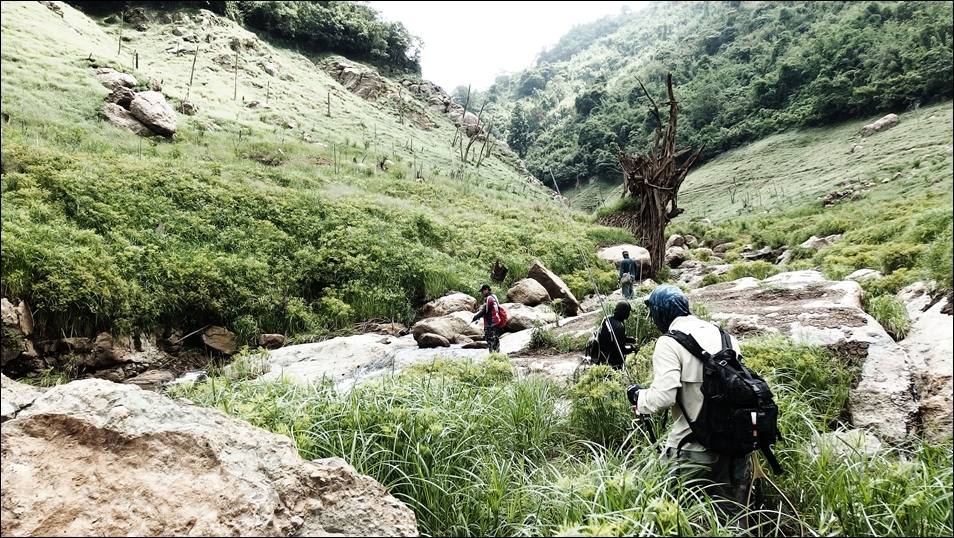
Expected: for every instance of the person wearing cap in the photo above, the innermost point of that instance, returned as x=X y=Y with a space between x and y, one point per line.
x=490 y=311
x=677 y=373
x=613 y=343
x=627 y=275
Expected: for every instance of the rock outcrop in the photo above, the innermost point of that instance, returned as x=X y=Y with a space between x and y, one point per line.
x=813 y=310
x=112 y=79
x=15 y=396
x=219 y=339
x=98 y=458
x=930 y=344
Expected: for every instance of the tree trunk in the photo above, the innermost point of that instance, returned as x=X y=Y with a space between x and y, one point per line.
x=654 y=180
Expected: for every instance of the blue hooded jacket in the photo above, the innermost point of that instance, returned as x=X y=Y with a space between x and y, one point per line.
x=666 y=303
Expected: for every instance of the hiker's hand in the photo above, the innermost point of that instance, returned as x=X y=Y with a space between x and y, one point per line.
x=632 y=394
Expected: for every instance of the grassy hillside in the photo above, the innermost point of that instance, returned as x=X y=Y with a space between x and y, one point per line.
x=267 y=219
x=799 y=167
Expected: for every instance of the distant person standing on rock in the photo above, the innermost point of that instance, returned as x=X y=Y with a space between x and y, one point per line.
x=627 y=275
x=495 y=318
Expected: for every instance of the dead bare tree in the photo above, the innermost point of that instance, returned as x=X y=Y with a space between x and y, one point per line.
x=654 y=180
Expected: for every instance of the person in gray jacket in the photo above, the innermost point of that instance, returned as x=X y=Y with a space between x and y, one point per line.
x=627 y=275
x=678 y=374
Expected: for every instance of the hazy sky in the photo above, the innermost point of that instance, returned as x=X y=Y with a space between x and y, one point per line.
x=472 y=42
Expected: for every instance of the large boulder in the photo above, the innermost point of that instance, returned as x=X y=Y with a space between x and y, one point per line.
x=431 y=340
x=675 y=256
x=555 y=287
x=120 y=117
x=448 y=326
x=17 y=329
x=930 y=344
x=113 y=79
x=882 y=124
x=98 y=458
x=640 y=255
x=15 y=396
x=522 y=317
x=675 y=240
x=154 y=112
x=452 y=302
x=219 y=339
x=813 y=310
x=528 y=291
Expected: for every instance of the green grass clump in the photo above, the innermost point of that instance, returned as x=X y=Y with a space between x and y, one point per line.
x=890 y=313
x=599 y=410
x=937 y=260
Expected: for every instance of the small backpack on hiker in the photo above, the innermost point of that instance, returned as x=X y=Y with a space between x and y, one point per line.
x=738 y=414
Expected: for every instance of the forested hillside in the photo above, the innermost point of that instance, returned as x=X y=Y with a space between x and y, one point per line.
x=742 y=71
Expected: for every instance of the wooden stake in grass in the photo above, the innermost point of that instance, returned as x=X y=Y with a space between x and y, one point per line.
x=329 y=104
x=136 y=59
x=268 y=90
x=122 y=19
x=192 y=73
x=235 y=92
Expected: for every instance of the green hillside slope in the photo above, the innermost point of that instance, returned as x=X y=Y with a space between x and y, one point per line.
x=275 y=218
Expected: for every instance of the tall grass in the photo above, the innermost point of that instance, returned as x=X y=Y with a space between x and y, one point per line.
x=474 y=450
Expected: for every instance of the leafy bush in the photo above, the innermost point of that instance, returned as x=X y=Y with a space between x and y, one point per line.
x=758 y=269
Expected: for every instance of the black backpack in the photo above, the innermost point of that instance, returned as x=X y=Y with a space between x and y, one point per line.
x=738 y=414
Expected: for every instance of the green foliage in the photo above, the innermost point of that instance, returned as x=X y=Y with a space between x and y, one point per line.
x=890 y=313
x=820 y=379
x=599 y=410
x=937 y=260
x=547 y=339
x=758 y=269
x=741 y=72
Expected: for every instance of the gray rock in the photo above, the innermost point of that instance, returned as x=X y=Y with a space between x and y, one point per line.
x=208 y=473
x=431 y=340
x=449 y=326
x=271 y=340
x=522 y=317
x=675 y=240
x=113 y=79
x=846 y=443
x=15 y=396
x=121 y=117
x=675 y=256
x=219 y=339
x=452 y=302
x=555 y=287
x=864 y=274
x=814 y=242
x=153 y=111
x=882 y=124
x=930 y=344
x=528 y=291
x=151 y=379
x=17 y=329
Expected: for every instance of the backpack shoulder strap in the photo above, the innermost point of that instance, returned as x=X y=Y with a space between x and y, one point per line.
x=726 y=339
x=689 y=343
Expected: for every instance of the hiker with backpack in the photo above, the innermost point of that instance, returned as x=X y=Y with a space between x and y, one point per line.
x=722 y=411
x=612 y=344
x=495 y=318
x=627 y=275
